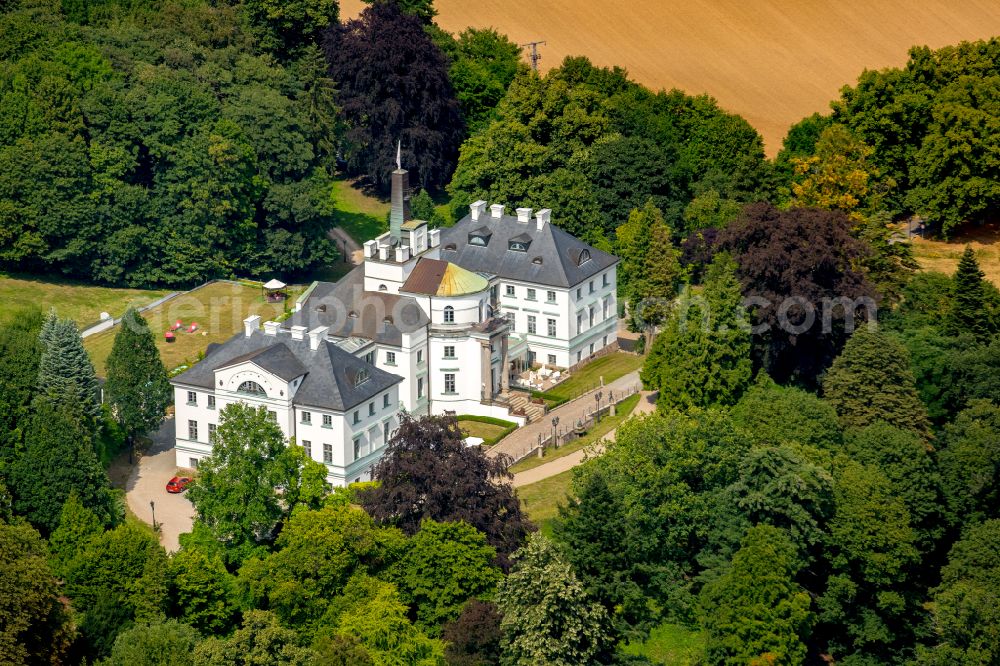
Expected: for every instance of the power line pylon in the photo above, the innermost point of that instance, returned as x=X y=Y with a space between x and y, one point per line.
x=535 y=55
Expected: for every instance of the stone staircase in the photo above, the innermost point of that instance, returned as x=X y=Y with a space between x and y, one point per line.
x=518 y=400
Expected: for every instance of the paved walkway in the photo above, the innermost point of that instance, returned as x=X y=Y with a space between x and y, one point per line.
x=520 y=442
x=147 y=482
x=647 y=405
x=344 y=240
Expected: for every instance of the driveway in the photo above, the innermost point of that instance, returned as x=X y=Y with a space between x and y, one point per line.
x=147 y=483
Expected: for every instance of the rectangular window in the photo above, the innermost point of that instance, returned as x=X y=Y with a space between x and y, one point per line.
x=550 y=296
x=579 y=321
x=211 y=433
x=370 y=358
x=510 y=290
x=531 y=324
x=390 y=358
x=307 y=418
x=552 y=328
x=193 y=463
x=371 y=409
x=211 y=402
x=449 y=314
x=449 y=351
x=578 y=356
x=605 y=341
x=357 y=417
x=386 y=431
x=449 y=383
x=579 y=293
x=606 y=307
x=531 y=294
x=420 y=387
x=327 y=421
x=192 y=398
x=420 y=356
x=308 y=446
x=328 y=454
x=591 y=286
x=385 y=401
x=591 y=348
x=605 y=279
x=357 y=448
x=193 y=431
x=591 y=315
x=273 y=415
x=552 y=359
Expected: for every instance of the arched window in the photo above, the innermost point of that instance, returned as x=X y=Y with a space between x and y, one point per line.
x=449 y=315
x=251 y=388
x=382 y=287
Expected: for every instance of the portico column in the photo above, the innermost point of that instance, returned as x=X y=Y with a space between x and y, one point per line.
x=504 y=365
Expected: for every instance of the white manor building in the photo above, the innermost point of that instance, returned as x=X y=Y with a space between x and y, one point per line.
x=432 y=321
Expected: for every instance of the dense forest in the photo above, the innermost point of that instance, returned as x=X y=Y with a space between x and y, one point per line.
x=819 y=483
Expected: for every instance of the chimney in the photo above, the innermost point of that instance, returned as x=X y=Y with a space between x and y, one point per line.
x=399 y=211
x=271 y=327
x=383 y=252
x=299 y=332
x=316 y=336
x=477 y=208
x=251 y=324
x=524 y=215
x=402 y=254
x=496 y=211
x=543 y=217
x=434 y=237
x=371 y=248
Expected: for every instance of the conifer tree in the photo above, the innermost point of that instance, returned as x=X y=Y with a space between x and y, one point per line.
x=66 y=375
x=702 y=357
x=968 y=311
x=137 y=385
x=77 y=526
x=650 y=266
x=872 y=381
x=58 y=460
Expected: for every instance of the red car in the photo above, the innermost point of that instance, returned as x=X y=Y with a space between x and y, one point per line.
x=178 y=484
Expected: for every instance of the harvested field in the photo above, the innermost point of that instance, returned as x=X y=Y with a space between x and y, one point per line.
x=943 y=256
x=772 y=61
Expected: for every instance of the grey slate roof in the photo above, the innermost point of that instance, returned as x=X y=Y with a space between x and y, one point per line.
x=559 y=251
x=330 y=372
x=339 y=299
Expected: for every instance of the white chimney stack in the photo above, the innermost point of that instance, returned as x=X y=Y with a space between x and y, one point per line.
x=316 y=336
x=271 y=327
x=370 y=248
x=299 y=332
x=434 y=237
x=383 y=252
x=402 y=254
x=251 y=324
x=476 y=209
x=543 y=217
x=496 y=211
x=524 y=215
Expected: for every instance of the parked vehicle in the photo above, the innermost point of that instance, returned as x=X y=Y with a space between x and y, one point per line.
x=178 y=484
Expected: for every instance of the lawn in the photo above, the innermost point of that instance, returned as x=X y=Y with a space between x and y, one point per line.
x=611 y=367
x=541 y=500
x=81 y=303
x=219 y=310
x=488 y=431
x=670 y=644
x=943 y=256
x=363 y=217
x=607 y=424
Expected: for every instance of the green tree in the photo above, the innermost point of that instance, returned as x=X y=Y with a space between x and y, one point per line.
x=773 y=414
x=66 y=375
x=370 y=610
x=260 y=640
x=709 y=210
x=35 y=625
x=169 y=642
x=650 y=268
x=969 y=461
x=78 y=525
x=315 y=555
x=20 y=351
x=422 y=9
x=966 y=606
x=484 y=62
x=968 y=312
x=202 y=592
x=702 y=357
x=547 y=616
x=755 y=612
x=872 y=381
x=285 y=28
x=443 y=565
x=137 y=384
x=58 y=460
x=473 y=639
x=236 y=493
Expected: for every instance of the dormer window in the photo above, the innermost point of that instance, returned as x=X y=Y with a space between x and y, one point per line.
x=451 y=246
x=251 y=388
x=584 y=257
x=480 y=236
x=518 y=244
x=537 y=261
x=361 y=377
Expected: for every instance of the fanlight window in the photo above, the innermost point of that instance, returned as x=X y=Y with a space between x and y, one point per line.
x=251 y=388
x=482 y=241
x=361 y=377
x=518 y=246
x=584 y=257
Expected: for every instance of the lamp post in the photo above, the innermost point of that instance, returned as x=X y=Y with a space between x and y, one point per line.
x=597 y=415
x=555 y=424
x=152 y=507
